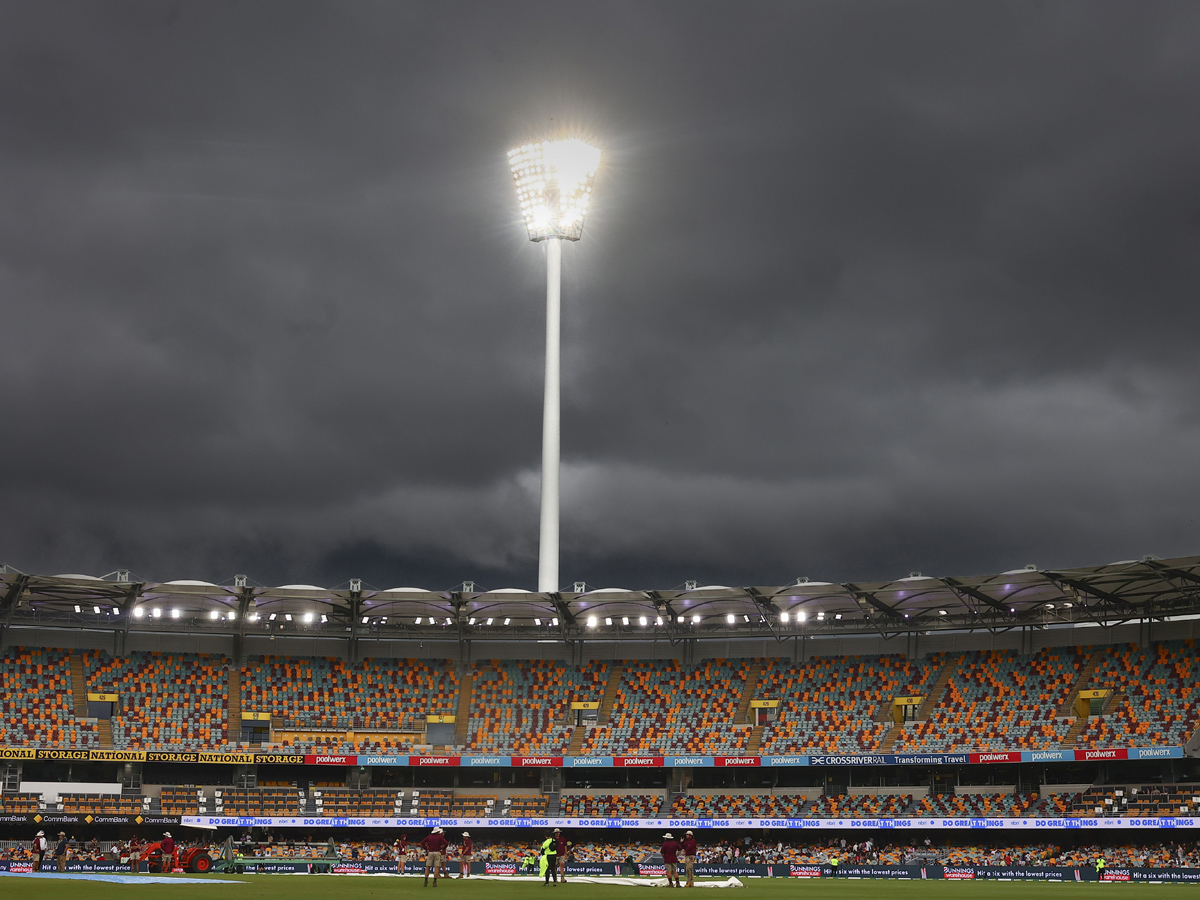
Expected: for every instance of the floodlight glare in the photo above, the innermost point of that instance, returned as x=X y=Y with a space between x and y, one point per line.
x=138 y=613
x=695 y=620
x=554 y=621
x=308 y=617
x=554 y=184
x=214 y=614
x=783 y=617
x=591 y=622
x=731 y=618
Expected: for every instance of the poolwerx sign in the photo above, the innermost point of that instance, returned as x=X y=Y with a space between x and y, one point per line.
x=597 y=762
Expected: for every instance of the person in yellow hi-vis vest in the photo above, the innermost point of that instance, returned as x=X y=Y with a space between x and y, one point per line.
x=550 y=861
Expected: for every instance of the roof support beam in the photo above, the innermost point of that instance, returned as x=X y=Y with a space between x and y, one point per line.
x=975 y=594
x=1087 y=588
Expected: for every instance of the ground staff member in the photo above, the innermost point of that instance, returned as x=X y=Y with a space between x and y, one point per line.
x=60 y=852
x=434 y=845
x=1101 y=865
x=689 y=859
x=40 y=846
x=466 y=851
x=833 y=862
x=168 y=852
x=563 y=846
x=670 y=854
x=402 y=852
x=550 y=855
x=135 y=855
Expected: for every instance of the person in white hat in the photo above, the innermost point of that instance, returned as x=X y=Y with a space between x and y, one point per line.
x=689 y=859
x=670 y=854
x=465 y=852
x=434 y=844
x=40 y=846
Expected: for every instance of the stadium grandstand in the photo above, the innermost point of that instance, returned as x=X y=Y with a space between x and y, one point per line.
x=1029 y=695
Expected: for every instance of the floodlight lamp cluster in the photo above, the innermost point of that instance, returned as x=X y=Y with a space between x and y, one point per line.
x=554 y=184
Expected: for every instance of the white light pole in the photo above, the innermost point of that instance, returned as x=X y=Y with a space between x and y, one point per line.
x=554 y=184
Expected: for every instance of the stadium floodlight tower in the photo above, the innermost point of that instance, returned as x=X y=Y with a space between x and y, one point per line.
x=554 y=184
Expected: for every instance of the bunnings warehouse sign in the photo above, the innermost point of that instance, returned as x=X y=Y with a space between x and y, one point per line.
x=1182 y=822
x=596 y=762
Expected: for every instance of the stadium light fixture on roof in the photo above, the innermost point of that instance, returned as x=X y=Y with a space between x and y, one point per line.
x=96 y=609
x=288 y=616
x=801 y=616
x=271 y=617
x=695 y=620
x=156 y=612
x=77 y=609
x=591 y=621
x=418 y=622
x=138 y=613
x=308 y=618
x=471 y=621
x=554 y=621
x=214 y=614
x=554 y=180
x=783 y=617
x=507 y=620
x=537 y=622
x=175 y=613
x=731 y=618
x=488 y=622
x=607 y=620
x=624 y=620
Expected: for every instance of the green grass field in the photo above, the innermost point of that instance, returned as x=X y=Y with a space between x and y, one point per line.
x=319 y=887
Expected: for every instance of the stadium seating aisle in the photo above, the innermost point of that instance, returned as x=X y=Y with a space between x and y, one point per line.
x=663 y=706
x=831 y=704
x=1000 y=700
x=166 y=701
x=326 y=692
x=37 y=708
x=519 y=707
x=1159 y=702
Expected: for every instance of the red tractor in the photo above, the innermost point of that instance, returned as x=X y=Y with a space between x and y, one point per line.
x=190 y=859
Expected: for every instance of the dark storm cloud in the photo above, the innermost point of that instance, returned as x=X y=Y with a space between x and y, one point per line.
x=867 y=288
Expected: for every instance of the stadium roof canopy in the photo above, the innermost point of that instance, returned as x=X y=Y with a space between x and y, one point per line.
x=1132 y=590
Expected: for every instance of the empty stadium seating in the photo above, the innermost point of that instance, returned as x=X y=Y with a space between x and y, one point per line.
x=663 y=706
x=520 y=707
x=952 y=806
x=831 y=704
x=260 y=802
x=101 y=804
x=720 y=806
x=180 y=801
x=525 y=807
x=348 y=802
x=20 y=804
x=1158 y=702
x=1136 y=801
x=325 y=692
x=621 y=806
x=1000 y=700
x=860 y=806
x=37 y=706
x=169 y=701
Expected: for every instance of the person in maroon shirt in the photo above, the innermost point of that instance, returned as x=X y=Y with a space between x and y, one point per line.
x=168 y=852
x=689 y=859
x=464 y=855
x=670 y=854
x=401 y=852
x=563 y=847
x=434 y=845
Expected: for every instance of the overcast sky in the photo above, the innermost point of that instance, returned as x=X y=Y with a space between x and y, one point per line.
x=866 y=288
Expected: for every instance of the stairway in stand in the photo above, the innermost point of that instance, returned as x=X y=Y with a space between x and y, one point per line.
x=755 y=742
x=233 y=709
x=753 y=676
x=1072 y=736
x=1081 y=683
x=104 y=729
x=889 y=740
x=577 y=738
x=79 y=685
x=462 y=715
x=939 y=687
x=610 y=693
